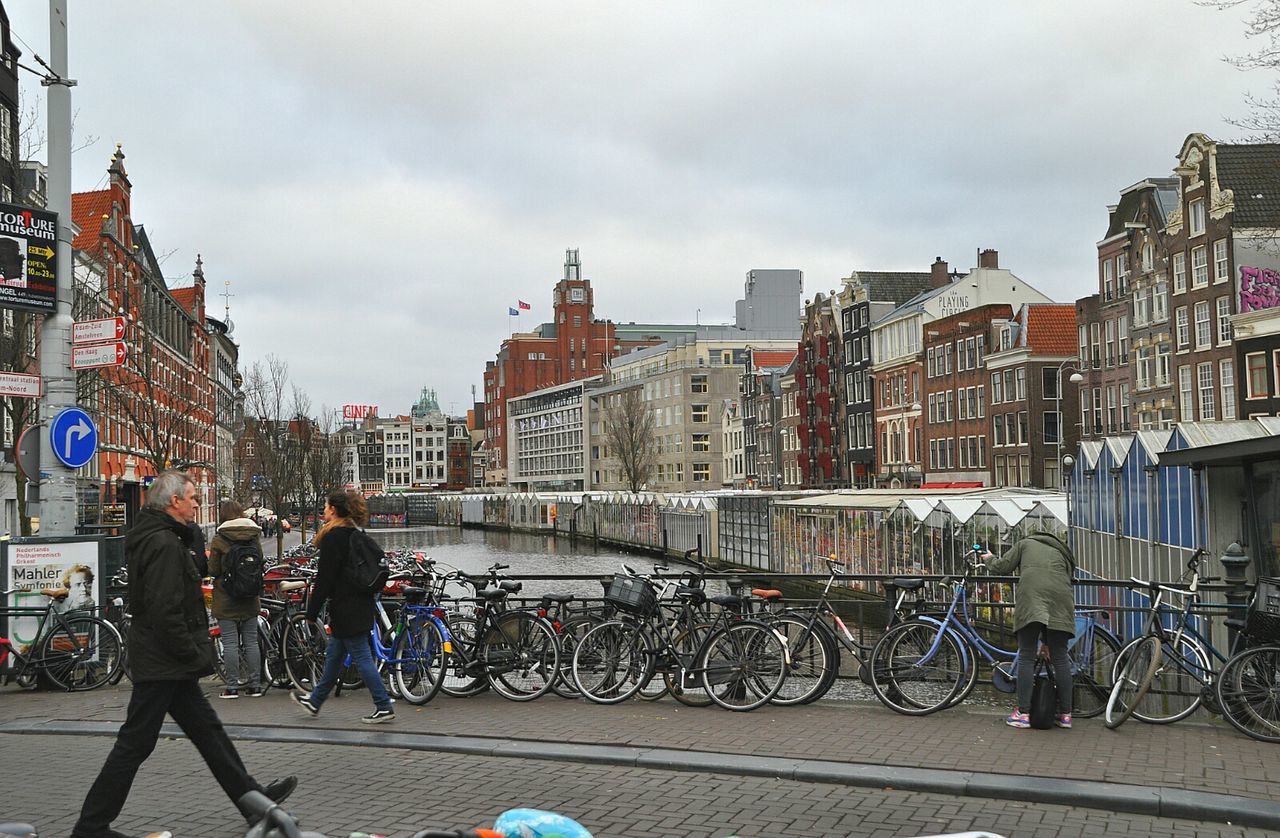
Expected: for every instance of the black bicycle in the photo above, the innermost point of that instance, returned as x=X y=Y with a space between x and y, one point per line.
x=74 y=651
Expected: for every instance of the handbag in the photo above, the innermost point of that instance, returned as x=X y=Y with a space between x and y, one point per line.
x=1044 y=697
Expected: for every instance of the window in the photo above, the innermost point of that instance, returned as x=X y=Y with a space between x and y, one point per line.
x=1146 y=357
x=1095 y=344
x=1023 y=436
x=1020 y=376
x=1199 y=267
x=1162 y=365
x=1084 y=345
x=1108 y=280
x=997 y=388
x=697 y=384
x=1179 y=273
x=700 y=442
x=1224 y=319
x=1255 y=370
x=1227 y=377
x=999 y=430
x=1122 y=273
x=1124 y=407
x=1195 y=216
x=1220 y=261
x=1182 y=328
x=1148 y=256
x=1160 y=302
x=1186 y=394
x=701 y=472
x=1051 y=427
x=699 y=413
x=1204 y=331
x=1141 y=307
x=1049 y=382
x=1208 y=405
x=1112 y=409
x=1111 y=343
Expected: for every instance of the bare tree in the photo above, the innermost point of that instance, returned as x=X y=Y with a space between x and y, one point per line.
x=629 y=433
x=273 y=452
x=1263 y=24
x=322 y=463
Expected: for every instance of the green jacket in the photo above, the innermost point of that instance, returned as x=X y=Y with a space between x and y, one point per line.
x=225 y=606
x=1045 y=568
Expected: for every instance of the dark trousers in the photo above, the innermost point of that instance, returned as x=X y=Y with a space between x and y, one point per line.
x=148 y=705
x=1029 y=649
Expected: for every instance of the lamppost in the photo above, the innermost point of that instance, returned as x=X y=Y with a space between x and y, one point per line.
x=908 y=443
x=1068 y=463
x=1076 y=378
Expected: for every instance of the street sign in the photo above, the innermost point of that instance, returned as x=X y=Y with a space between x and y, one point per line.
x=28 y=249
x=98 y=355
x=97 y=331
x=19 y=384
x=113 y=514
x=74 y=437
x=28 y=452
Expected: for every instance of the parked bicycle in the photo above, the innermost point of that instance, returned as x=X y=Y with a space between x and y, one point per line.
x=74 y=651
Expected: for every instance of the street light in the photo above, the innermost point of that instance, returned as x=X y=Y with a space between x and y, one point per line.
x=1076 y=378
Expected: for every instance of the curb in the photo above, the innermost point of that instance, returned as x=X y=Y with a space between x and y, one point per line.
x=1157 y=801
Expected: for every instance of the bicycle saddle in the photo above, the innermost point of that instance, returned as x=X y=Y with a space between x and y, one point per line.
x=412 y=594
x=767 y=594
x=560 y=599
x=285 y=587
x=697 y=595
x=905 y=583
x=510 y=586
x=492 y=594
x=727 y=600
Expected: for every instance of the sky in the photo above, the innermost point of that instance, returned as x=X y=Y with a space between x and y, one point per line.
x=380 y=181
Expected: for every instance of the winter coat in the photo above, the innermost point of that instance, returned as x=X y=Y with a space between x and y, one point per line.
x=225 y=606
x=350 y=610
x=1045 y=568
x=169 y=632
x=199 y=553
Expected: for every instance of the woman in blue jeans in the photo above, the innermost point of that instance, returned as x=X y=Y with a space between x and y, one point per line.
x=351 y=611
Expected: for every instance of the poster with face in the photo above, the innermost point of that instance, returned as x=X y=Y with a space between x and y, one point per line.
x=68 y=573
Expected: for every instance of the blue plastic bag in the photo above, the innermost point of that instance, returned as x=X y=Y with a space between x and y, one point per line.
x=535 y=823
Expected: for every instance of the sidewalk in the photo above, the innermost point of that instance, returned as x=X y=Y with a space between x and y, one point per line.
x=965 y=751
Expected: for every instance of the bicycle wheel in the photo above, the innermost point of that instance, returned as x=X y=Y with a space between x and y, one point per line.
x=1093 y=659
x=972 y=663
x=743 y=665
x=612 y=661
x=1136 y=666
x=916 y=668
x=1249 y=692
x=303 y=648
x=419 y=661
x=813 y=661
x=679 y=673
x=464 y=673
x=1177 y=688
x=83 y=653
x=571 y=631
x=521 y=656
x=219 y=664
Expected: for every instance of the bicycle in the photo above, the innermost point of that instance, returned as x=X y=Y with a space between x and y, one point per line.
x=740 y=662
x=1166 y=673
x=76 y=651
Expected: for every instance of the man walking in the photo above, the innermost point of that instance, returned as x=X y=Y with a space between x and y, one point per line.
x=169 y=651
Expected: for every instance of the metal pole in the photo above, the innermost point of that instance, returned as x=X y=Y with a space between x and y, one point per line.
x=57 y=507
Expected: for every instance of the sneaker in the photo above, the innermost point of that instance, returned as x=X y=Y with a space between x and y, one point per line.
x=228 y=693
x=255 y=692
x=1063 y=720
x=304 y=701
x=1018 y=719
x=279 y=790
x=377 y=717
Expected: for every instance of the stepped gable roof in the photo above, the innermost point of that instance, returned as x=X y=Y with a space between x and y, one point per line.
x=87 y=209
x=1252 y=173
x=1051 y=329
x=772 y=358
x=893 y=286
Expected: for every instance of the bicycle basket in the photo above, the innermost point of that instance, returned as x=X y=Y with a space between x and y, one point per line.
x=1263 y=621
x=633 y=595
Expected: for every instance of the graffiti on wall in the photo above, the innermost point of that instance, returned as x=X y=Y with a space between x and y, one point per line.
x=1259 y=288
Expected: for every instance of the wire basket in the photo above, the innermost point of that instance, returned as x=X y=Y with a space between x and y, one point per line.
x=632 y=594
x=1263 y=620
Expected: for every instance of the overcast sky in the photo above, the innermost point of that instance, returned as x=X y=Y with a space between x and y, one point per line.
x=379 y=181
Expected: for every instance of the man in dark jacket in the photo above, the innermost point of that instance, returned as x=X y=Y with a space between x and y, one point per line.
x=169 y=651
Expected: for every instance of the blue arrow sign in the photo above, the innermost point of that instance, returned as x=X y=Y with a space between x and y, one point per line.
x=74 y=437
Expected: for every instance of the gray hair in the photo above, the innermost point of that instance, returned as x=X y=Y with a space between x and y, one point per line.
x=168 y=484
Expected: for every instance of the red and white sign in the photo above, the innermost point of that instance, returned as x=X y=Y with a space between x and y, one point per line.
x=98 y=355
x=18 y=384
x=359 y=411
x=97 y=331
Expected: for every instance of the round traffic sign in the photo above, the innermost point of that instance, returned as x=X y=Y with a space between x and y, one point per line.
x=74 y=437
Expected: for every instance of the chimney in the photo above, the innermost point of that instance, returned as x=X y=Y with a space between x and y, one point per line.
x=939 y=276
x=989 y=259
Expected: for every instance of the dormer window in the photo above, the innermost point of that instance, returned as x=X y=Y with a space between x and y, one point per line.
x=1006 y=338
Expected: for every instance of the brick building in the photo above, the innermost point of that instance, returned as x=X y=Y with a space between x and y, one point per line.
x=955 y=398
x=819 y=397
x=761 y=403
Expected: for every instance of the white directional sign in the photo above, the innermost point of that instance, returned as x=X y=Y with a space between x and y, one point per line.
x=19 y=384
x=97 y=331
x=98 y=355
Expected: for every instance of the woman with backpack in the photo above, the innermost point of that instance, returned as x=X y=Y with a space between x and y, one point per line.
x=351 y=608
x=237 y=566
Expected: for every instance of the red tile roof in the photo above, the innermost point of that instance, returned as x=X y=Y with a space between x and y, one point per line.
x=87 y=209
x=1051 y=329
x=185 y=297
x=767 y=359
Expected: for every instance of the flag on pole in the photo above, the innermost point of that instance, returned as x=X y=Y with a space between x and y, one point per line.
x=511 y=312
x=523 y=305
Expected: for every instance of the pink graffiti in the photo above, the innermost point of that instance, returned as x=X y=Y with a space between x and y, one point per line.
x=1259 y=288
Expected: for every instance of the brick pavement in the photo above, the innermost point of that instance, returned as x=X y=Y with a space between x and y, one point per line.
x=345 y=788
x=1196 y=756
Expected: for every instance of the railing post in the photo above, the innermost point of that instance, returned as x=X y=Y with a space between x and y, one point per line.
x=1235 y=564
x=700 y=546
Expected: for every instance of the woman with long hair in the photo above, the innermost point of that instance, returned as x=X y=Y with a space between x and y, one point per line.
x=351 y=610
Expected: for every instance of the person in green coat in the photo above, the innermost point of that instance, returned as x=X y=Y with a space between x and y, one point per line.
x=237 y=616
x=1045 y=608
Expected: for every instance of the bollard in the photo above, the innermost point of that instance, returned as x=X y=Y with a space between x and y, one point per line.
x=1235 y=566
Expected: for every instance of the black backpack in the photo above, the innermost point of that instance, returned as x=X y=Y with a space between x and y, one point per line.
x=367 y=568
x=243 y=569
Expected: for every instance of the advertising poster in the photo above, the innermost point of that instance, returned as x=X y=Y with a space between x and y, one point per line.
x=43 y=570
x=28 y=242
